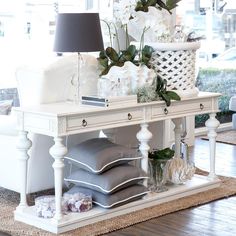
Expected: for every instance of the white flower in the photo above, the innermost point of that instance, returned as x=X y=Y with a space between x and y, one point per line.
x=123 y=10
x=156 y=21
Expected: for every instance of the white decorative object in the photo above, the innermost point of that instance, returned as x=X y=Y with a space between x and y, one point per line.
x=155 y=22
x=78 y=202
x=125 y=80
x=175 y=62
x=45 y=206
x=179 y=171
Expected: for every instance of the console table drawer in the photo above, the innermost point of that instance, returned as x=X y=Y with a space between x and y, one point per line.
x=181 y=109
x=104 y=119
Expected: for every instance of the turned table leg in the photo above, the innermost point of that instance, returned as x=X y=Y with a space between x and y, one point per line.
x=212 y=124
x=23 y=146
x=178 y=133
x=58 y=151
x=144 y=136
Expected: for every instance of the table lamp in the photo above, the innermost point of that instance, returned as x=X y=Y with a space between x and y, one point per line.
x=78 y=32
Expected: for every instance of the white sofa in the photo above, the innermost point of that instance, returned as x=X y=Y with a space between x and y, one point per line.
x=46 y=81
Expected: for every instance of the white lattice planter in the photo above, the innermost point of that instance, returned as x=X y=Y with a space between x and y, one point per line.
x=175 y=62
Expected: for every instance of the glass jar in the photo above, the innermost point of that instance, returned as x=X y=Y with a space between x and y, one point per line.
x=157 y=171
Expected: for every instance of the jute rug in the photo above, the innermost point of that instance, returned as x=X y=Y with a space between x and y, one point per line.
x=228 y=137
x=9 y=200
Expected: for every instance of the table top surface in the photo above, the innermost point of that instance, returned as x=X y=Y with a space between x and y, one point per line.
x=65 y=108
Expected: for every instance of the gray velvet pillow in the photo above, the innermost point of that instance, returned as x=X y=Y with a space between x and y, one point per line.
x=99 y=154
x=110 y=181
x=119 y=198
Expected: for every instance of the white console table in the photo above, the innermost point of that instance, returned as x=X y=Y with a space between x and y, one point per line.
x=62 y=119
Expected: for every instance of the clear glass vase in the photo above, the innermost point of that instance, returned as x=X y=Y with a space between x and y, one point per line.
x=157 y=170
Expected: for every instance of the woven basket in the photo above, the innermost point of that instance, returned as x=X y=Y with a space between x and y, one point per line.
x=175 y=62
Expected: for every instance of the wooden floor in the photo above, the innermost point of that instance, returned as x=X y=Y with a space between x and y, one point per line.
x=217 y=218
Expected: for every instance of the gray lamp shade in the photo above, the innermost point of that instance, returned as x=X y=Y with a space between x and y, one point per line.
x=78 y=32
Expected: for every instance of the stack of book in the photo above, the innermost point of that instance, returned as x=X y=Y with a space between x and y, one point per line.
x=109 y=101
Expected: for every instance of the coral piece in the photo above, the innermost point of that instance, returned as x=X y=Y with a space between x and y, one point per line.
x=78 y=202
x=179 y=171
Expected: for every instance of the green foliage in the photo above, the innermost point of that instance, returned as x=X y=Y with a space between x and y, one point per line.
x=217 y=80
x=165 y=153
x=143 y=5
x=161 y=90
x=157 y=91
x=110 y=57
x=146 y=94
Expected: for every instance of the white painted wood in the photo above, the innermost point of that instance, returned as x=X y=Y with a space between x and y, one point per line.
x=178 y=132
x=58 y=151
x=23 y=146
x=144 y=136
x=76 y=220
x=63 y=119
x=212 y=124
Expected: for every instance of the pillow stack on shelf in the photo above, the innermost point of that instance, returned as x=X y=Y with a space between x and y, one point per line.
x=103 y=171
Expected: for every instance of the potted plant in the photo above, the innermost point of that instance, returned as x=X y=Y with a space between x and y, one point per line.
x=174 y=54
x=158 y=168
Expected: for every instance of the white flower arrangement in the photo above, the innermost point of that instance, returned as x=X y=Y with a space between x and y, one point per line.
x=150 y=16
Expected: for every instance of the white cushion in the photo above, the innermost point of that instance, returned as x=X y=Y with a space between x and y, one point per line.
x=45 y=83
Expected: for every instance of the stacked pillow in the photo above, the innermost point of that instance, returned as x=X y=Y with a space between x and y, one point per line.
x=103 y=171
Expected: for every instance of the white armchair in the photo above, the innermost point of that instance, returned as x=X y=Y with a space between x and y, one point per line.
x=45 y=82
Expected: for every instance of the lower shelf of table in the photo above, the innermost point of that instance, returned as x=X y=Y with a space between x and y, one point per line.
x=76 y=220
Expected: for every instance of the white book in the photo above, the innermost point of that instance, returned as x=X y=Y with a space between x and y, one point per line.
x=110 y=99
x=108 y=104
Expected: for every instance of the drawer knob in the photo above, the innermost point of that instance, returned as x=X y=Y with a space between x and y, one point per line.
x=84 y=123
x=201 y=106
x=129 y=116
x=165 y=111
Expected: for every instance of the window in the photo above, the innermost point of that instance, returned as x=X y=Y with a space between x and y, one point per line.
x=27 y=29
x=216 y=20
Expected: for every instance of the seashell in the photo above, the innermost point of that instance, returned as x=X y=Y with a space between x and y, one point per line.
x=125 y=80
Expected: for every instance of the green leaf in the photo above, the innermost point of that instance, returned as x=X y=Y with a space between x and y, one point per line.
x=139 y=6
x=112 y=54
x=147 y=54
x=173 y=95
x=132 y=50
x=151 y=3
x=166 y=99
x=165 y=153
x=129 y=54
x=161 y=4
x=159 y=84
x=102 y=54
x=171 y=4
x=119 y=63
x=103 y=62
x=148 y=50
